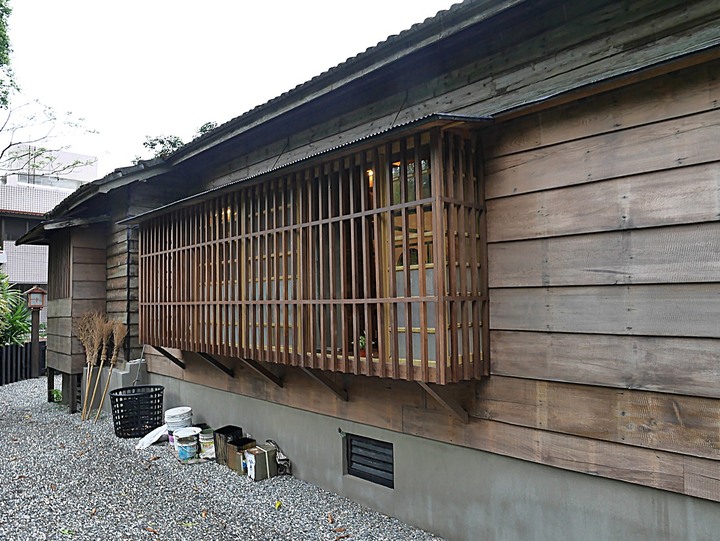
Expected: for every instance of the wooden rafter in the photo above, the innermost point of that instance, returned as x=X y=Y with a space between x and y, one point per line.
x=217 y=364
x=330 y=384
x=452 y=405
x=264 y=372
x=169 y=356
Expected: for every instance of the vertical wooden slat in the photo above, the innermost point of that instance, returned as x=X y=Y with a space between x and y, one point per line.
x=344 y=195
x=320 y=258
x=422 y=286
x=392 y=294
x=310 y=282
x=465 y=369
x=366 y=255
x=451 y=262
x=439 y=240
x=377 y=248
x=405 y=232
x=276 y=355
x=333 y=271
x=353 y=181
x=298 y=319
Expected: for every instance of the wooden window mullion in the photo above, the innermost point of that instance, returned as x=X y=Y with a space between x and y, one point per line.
x=377 y=248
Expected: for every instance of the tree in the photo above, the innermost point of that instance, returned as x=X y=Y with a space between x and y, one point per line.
x=28 y=132
x=7 y=79
x=28 y=139
x=164 y=145
x=14 y=314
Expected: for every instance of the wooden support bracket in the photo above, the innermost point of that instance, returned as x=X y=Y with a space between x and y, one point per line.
x=330 y=384
x=217 y=364
x=447 y=402
x=264 y=372
x=170 y=357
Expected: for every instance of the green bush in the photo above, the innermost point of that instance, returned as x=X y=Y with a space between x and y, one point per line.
x=14 y=314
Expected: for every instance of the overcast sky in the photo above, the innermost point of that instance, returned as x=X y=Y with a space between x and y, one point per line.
x=150 y=67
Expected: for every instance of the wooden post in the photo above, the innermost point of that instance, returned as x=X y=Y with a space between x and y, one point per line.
x=50 y=373
x=35 y=344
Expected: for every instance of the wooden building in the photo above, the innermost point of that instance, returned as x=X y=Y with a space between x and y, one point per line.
x=514 y=207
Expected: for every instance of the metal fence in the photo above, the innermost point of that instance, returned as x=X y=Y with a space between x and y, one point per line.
x=15 y=362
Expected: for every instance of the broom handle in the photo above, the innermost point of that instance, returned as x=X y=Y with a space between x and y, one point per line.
x=102 y=398
x=97 y=381
x=84 y=415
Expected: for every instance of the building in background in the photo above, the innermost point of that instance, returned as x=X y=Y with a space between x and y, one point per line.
x=27 y=192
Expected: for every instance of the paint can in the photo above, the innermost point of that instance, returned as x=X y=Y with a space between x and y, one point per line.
x=207 y=440
x=186 y=442
x=177 y=418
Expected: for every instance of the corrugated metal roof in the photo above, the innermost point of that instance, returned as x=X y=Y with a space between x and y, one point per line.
x=444 y=118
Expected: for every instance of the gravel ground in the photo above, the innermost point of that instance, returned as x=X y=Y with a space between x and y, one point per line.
x=67 y=479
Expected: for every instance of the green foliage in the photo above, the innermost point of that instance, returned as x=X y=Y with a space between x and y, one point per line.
x=56 y=395
x=206 y=128
x=164 y=145
x=14 y=314
x=7 y=78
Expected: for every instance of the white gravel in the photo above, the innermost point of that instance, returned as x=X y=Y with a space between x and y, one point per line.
x=61 y=478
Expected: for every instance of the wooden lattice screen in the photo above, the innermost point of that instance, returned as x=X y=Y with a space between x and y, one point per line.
x=297 y=268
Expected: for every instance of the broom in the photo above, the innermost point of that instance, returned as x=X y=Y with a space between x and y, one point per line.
x=119 y=334
x=97 y=322
x=84 y=331
x=107 y=331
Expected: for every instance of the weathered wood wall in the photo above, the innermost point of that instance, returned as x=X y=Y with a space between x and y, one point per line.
x=122 y=258
x=602 y=221
x=86 y=253
x=604 y=257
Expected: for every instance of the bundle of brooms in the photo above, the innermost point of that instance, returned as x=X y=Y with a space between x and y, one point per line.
x=95 y=333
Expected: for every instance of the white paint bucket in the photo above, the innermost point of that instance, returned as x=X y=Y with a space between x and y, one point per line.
x=177 y=418
x=186 y=442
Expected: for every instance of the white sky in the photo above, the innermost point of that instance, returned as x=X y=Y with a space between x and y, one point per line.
x=133 y=68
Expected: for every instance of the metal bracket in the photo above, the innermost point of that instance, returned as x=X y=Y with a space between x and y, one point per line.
x=169 y=356
x=264 y=372
x=447 y=402
x=330 y=384
x=217 y=364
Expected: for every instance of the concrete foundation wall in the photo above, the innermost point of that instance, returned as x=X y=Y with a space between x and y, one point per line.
x=459 y=493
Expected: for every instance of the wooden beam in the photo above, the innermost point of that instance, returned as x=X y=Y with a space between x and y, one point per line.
x=170 y=357
x=217 y=364
x=264 y=372
x=447 y=402
x=74 y=222
x=330 y=384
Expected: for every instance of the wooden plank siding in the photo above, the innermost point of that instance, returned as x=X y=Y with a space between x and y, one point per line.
x=504 y=76
x=83 y=266
x=603 y=224
x=408 y=280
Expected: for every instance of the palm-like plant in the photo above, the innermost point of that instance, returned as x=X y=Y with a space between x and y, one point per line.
x=14 y=314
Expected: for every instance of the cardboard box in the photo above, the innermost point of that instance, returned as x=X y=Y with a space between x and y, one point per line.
x=235 y=450
x=261 y=462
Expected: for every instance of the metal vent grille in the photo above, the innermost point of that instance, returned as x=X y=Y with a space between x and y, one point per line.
x=370 y=459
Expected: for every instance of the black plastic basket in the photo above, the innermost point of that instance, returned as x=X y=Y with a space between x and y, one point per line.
x=136 y=410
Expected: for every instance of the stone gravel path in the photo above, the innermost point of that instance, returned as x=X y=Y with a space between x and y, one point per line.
x=63 y=479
